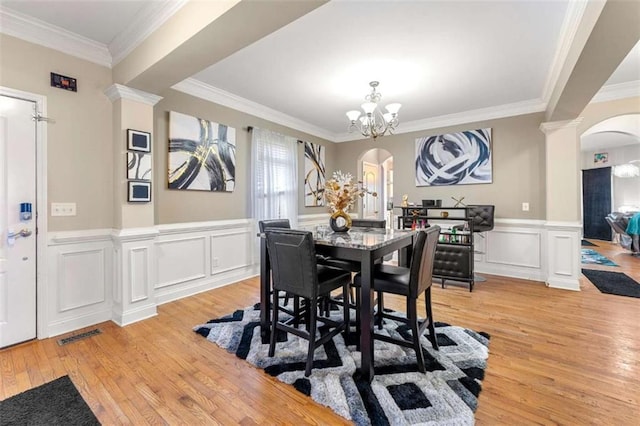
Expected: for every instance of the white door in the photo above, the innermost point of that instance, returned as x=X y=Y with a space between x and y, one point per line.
x=17 y=254
x=370 y=204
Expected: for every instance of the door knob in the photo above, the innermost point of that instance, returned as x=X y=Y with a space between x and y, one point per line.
x=12 y=236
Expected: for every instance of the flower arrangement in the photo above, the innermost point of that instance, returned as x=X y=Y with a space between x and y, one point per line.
x=341 y=193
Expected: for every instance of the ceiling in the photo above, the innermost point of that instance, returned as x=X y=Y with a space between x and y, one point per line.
x=439 y=59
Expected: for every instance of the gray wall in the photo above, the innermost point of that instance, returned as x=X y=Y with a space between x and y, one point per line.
x=176 y=206
x=518 y=148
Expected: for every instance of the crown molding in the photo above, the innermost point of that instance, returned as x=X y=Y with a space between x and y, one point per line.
x=207 y=92
x=482 y=114
x=550 y=126
x=613 y=92
x=39 y=32
x=568 y=31
x=118 y=91
x=149 y=19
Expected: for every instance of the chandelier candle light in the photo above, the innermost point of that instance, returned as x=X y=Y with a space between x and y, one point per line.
x=341 y=194
x=374 y=123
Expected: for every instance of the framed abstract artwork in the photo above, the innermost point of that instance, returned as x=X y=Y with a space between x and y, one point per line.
x=314 y=174
x=600 y=158
x=138 y=140
x=454 y=158
x=138 y=166
x=139 y=192
x=202 y=154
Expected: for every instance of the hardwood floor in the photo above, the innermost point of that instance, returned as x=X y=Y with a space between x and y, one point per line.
x=556 y=357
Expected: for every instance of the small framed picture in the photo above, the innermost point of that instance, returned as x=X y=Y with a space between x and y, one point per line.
x=139 y=192
x=138 y=166
x=138 y=141
x=600 y=158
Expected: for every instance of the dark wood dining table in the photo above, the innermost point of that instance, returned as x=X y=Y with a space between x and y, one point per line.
x=364 y=245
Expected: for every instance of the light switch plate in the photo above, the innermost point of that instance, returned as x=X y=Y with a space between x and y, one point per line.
x=63 y=209
x=525 y=207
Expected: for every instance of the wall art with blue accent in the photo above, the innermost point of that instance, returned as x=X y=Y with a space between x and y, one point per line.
x=454 y=158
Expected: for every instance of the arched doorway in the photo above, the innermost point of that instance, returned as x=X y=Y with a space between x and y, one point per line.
x=610 y=163
x=375 y=169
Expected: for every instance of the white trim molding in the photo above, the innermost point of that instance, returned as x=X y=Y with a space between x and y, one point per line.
x=550 y=126
x=201 y=90
x=39 y=32
x=613 y=92
x=152 y=16
x=563 y=255
x=118 y=91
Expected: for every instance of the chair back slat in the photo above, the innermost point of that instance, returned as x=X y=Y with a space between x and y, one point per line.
x=293 y=261
x=273 y=223
x=424 y=252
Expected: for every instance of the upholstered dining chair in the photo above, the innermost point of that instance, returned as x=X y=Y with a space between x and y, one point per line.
x=409 y=282
x=295 y=271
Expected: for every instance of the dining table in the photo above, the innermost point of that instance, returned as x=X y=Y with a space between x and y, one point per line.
x=363 y=245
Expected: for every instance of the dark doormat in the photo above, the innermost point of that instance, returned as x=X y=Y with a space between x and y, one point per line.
x=54 y=403
x=613 y=282
x=588 y=243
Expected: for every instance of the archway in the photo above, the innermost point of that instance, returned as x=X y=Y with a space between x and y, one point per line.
x=610 y=149
x=375 y=169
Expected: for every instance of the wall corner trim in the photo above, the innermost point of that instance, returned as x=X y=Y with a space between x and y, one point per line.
x=119 y=91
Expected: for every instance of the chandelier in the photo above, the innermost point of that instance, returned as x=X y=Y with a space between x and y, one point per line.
x=374 y=122
x=627 y=170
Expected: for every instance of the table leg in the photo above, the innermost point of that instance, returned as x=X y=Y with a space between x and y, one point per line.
x=265 y=287
x=366 y=317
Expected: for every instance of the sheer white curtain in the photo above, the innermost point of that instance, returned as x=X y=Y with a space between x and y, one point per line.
x=274 y=161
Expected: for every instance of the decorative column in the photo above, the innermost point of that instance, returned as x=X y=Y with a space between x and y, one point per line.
x=563 y=218
x=134 y=234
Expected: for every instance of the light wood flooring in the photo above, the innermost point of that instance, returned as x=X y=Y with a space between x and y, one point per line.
x=556 y=357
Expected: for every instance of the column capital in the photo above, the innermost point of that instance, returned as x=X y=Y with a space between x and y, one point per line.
x=550 y=126
x=118 y=91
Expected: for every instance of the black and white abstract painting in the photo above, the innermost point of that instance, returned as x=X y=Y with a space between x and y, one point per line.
x=202 y=154
x=454 y=159
x=138 y=166
x=314 y=174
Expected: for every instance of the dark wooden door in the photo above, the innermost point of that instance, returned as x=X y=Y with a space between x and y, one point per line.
x=596 y=203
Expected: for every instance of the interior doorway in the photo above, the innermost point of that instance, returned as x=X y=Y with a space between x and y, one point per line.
x=375 y=168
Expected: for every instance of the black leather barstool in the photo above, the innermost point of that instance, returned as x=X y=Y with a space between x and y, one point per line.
x=295 y=271
x=482 y=222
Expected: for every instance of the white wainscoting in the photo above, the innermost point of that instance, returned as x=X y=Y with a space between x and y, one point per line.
x=122 y=275
x=195 y=257
x=79 y=281
x=513 y=249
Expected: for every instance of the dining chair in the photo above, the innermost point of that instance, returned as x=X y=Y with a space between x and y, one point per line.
x=352 y=265
x=295 y=271
x=409 y=282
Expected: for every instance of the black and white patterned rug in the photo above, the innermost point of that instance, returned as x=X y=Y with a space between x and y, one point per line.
x=399 y=393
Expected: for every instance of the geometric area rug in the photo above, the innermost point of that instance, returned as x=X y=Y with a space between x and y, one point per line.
x=54 y=403
x=398 y=395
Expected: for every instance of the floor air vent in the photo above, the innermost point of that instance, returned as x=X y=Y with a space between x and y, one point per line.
x=80 y=336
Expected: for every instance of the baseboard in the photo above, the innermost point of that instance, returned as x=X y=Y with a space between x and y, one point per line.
x=75 y=323
x=563 y=284
x=217 y=281
x=134 y=315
